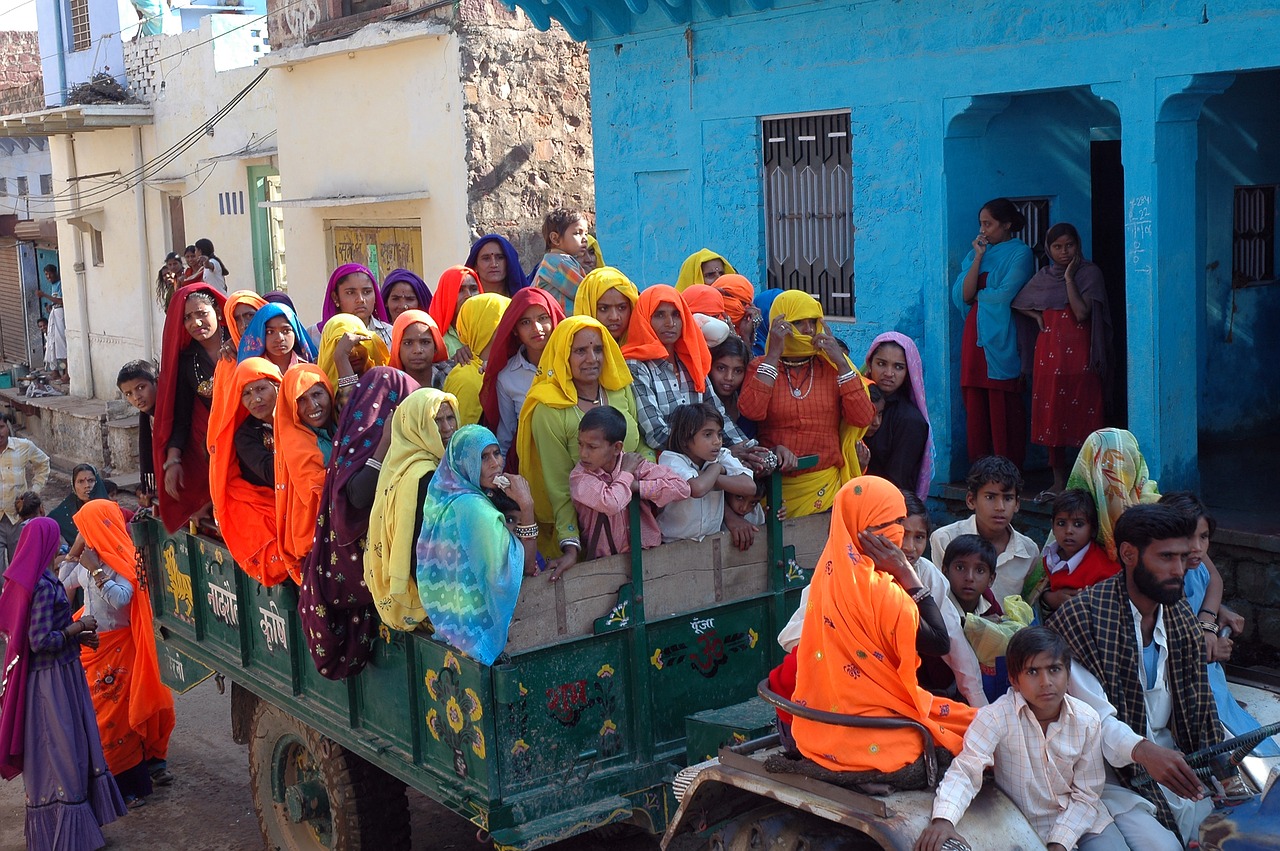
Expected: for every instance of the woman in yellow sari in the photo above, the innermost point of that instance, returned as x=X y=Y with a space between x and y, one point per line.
x=609 y=296
x=857 y=653
x=807 y=397
x=476 y=324
x=420 y=430
x=348 y=349
x=581 y=368
x=703 y=266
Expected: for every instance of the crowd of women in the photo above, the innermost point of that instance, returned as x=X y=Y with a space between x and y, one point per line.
x=412 y=457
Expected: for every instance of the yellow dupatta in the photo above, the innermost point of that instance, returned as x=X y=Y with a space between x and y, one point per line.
x=553 y=386
x=476 y=323
x=389 y=563
x=344 y=323
x=691 y=268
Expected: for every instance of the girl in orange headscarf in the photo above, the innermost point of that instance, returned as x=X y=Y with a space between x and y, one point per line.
x=739 y=305
x=303 y=429
x=245 y=510
x=669 y=359
x=456 y=285
x=238 y=312
x=857 y=653
x=416 y=346
x=134 y=709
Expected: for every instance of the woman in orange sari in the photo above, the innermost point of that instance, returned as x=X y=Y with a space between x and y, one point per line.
x=134 y=709
x=303 y=429
x=238 y=312
x=246 y=511
x=857 y=653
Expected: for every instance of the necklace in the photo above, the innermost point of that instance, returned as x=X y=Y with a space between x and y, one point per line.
x=601 y=398
x=796 y=391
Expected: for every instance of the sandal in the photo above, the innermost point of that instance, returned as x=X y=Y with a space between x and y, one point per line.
x=134 y=801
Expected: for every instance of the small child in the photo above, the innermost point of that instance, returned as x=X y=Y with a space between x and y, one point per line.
x=1046 y=747
x=113 y=494
x=970 y=567
x=510 y=510
x=137 y=383
x=695 y=451
x=749 y=508
x=28 y=505
x=864 y=451
x=994 y=485
x=565 y=234
x=604 y=479
x=1072 y=559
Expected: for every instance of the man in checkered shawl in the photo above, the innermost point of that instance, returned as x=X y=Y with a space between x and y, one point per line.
x=1141 y=665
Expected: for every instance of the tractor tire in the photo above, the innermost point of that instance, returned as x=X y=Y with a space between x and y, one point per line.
x=311 y=793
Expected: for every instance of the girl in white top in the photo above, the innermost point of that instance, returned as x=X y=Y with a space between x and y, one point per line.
x=695 y=451
x=215 y=273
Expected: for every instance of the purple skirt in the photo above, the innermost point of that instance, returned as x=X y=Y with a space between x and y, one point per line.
x=70 y=791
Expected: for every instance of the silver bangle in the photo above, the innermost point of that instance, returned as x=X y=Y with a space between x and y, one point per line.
x=527 y=533
x=920 y=594
x=348 y=381
x=374 y=463
x=768 y=370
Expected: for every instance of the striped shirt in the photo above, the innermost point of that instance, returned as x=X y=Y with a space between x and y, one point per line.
x=1055 y=776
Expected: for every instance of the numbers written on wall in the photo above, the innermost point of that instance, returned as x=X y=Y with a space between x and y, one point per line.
x=808 y=200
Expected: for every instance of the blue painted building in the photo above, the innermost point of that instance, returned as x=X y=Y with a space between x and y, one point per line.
x=1151 y=126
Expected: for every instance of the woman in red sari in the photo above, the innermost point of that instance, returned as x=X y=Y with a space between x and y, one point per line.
x=193 y=338
x=1068 y=301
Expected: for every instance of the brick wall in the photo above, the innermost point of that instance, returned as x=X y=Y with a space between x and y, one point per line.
x=141 y=66
x=527 y=118
x=21 y=86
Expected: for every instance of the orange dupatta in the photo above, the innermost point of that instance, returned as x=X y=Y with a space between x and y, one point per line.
x=147 y=707
x=223 y=405
x=245 y=512
x=857 y=652
x=738 y=296
x=299 y=468
x=643 y=343
x=402 y=323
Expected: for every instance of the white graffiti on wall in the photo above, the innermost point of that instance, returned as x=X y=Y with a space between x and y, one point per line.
x=298 y=17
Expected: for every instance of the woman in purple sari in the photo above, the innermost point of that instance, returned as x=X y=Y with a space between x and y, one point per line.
x=47 y=726
x=336 y=609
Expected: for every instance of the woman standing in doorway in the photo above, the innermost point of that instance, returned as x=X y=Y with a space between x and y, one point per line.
x=1068 y=301
x=995 y=269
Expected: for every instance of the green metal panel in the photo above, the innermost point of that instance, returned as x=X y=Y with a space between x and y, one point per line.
x=382 y=691
x=712 y=729
x=703 y=660
x=178 y=670
x=273 y=629
x=216 y=587
x=568 y=714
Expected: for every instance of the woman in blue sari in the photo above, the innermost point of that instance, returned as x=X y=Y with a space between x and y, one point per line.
x=469 y=562
x=993 y=272
x=277 y=335
x=497 y=264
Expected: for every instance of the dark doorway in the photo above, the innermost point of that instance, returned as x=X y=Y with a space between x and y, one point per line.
x=1107 y=186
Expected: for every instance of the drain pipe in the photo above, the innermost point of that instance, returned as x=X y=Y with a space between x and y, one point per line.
x=83 y=378
x=144 y=252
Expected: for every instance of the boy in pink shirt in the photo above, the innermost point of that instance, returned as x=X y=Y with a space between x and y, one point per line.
x=602 y=483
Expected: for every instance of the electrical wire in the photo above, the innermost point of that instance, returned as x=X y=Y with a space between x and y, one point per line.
x=128 y=181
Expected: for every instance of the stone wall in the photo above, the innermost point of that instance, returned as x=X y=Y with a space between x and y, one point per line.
x=21 y=89
x=527 y=118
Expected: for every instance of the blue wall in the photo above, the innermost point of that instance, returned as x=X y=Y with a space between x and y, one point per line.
x=1240 y=341
x=951 y=104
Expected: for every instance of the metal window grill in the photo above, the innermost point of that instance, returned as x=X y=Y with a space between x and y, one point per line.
x=80 y=37
x=46 y=184
x=1037 y=212
x=1253 y=240
x=24 y=188
x=808 y=204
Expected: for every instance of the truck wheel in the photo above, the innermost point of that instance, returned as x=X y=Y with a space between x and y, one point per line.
x=311 y=793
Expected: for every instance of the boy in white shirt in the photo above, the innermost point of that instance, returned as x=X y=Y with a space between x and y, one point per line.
x=1046 y=747
x=994 y=485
